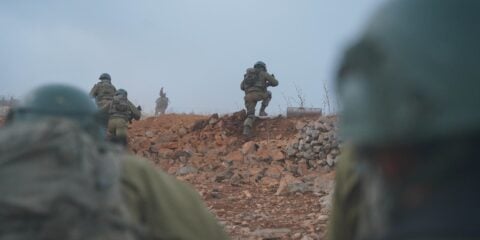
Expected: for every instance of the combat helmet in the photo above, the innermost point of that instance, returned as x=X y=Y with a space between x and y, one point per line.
x=122 y=92
x=260 y=65
x=62 y=101
x=413 y=76
x=105 y=76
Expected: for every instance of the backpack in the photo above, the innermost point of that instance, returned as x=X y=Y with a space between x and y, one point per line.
x=56 y=182
x=120 y=103
x=251 y=78
x=105 y=90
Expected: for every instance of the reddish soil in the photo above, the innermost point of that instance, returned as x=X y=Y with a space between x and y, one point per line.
x=239 y=178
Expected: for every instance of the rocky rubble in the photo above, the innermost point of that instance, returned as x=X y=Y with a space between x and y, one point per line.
x=316 y=143
x=276 y=185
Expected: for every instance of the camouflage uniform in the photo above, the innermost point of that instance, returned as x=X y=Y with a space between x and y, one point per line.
x=257 y=91
x=168 y=208
x=164 y=207
x=103 y=91
x=118 y=121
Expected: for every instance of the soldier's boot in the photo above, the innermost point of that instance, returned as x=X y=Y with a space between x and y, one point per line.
x=262 y=111
x=247 y=131
x=120 y=140
x=247 y=126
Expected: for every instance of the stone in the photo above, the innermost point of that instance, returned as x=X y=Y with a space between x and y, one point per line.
x=234 y=156
x=289 y=184
x=277 y=155
x=227 y=174
x=269 y=181
x=182 y=131
x=323 y=185
x=149 y=134
x=306 y=237
x=291 y=151
x=249 y=148
x=330 y=160
x=263 y=154
x=300 y=125
x=271 y=233
x=308 y=155
x=186 y=170
x=274 y=171
x=302 y=167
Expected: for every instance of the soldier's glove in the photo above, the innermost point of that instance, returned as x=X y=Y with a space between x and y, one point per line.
x=139 y=108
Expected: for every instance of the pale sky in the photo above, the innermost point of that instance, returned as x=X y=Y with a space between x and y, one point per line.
x=198 y=50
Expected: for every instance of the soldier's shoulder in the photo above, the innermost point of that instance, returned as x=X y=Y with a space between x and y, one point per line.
x=139 y=171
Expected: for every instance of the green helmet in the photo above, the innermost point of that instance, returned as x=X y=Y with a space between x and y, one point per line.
x=260 y=65
x=105 y=76
x=413 y=76
x=121 y=92
x=59 y=101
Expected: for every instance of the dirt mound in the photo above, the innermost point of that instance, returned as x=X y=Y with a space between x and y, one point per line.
x=253 y=185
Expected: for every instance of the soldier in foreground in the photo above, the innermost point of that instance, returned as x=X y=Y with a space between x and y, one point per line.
x=161 y=103
x=103 y=91
x=60 y=180
x=121 y=112
x=409 y=88
x=255 y=83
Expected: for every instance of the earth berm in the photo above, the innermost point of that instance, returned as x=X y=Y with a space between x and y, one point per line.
x=275 y=185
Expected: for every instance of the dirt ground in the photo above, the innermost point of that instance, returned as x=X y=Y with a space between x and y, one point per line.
x=245 y=182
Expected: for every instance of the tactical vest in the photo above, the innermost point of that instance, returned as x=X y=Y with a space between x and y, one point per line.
x=120 y=107
x=105 y=91
x=56 y=182
x=253 y=81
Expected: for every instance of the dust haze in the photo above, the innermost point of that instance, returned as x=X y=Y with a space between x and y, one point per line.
x=197 y=50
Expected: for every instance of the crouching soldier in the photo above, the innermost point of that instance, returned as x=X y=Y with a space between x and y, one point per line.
x=121 y=111
x=255 y=83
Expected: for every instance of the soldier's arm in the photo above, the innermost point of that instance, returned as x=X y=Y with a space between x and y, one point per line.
x=136 y=114
x=93 y=92
x=168 y=208
x=271 y=80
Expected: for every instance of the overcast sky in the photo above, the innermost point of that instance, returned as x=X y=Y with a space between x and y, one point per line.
x=198 y=50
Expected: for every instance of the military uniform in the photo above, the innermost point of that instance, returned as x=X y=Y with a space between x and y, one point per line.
x=119 y=119
x=255 y=91
x=167 y=208
x=344 y=217
x=145 y=202
x=103 y=91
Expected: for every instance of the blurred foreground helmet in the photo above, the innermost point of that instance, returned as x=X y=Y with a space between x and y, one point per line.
x=260 y=64
x=414 y=75
x=105 y=76
x=59 y=101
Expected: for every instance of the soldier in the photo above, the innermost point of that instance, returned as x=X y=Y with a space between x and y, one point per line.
x=255 y=83
x=61 y=180
x=103 y=91
x=121 y=111
x=161 y=103
x=409 y=88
